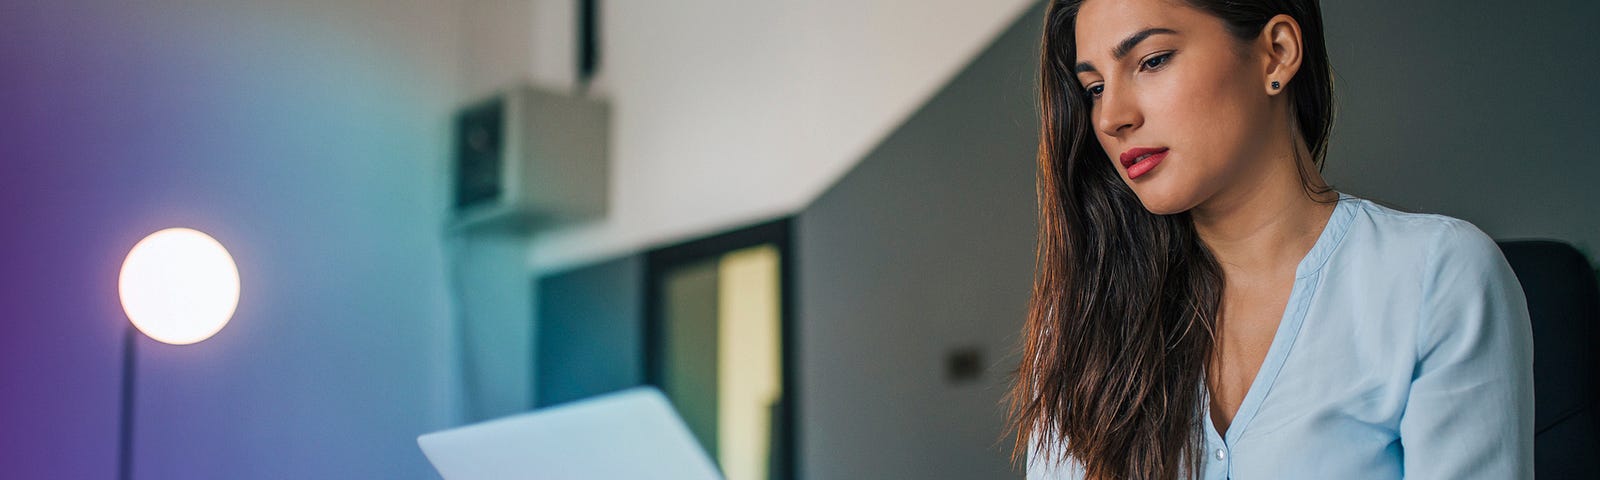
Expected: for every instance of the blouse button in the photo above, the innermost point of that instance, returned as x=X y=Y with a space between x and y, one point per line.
x=1221 y=455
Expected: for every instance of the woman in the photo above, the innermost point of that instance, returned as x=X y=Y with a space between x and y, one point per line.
x=1206 y=306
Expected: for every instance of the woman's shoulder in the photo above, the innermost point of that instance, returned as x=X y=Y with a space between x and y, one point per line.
x=1445 y=260
x=1396 y=221
x=1441 y=284
x=1430 y=237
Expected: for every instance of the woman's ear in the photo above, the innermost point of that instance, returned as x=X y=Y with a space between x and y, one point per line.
x=1284 y=49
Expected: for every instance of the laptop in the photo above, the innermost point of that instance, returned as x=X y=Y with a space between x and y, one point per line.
x=630 y=434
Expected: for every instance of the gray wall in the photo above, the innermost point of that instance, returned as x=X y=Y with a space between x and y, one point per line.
x=926 y=247
x=1475 y=109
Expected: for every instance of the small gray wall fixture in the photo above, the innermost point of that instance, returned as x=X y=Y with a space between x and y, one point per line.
x=914 y=272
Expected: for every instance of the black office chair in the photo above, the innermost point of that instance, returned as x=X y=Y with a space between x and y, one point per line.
x=1564 y=303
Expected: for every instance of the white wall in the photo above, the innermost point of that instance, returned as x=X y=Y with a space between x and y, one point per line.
x=725 y=113
x=729 y=112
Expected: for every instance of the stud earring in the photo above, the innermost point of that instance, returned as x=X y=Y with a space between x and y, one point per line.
x=1275 y=85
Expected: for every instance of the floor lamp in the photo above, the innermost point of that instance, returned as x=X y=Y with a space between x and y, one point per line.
x=178 y=286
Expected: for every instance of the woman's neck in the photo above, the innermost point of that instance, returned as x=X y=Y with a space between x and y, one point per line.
x=1265 y=224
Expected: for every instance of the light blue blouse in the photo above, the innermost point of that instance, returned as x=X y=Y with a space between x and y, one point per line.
x=1405 y=352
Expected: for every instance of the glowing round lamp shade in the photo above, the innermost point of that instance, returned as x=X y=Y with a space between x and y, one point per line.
x=179 y=286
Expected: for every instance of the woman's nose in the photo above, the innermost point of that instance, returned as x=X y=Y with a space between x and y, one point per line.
x=1118 y=114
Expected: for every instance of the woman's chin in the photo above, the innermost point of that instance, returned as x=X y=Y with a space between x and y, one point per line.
x=1165 y=203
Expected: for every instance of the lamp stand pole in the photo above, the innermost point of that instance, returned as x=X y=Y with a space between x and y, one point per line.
x=125 y=431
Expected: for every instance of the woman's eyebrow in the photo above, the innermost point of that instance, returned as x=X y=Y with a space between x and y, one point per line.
x=1126 y=46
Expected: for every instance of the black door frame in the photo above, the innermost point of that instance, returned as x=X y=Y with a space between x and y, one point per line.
x=780 y=234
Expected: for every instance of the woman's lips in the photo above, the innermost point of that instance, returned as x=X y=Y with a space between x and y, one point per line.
x=1140 y=161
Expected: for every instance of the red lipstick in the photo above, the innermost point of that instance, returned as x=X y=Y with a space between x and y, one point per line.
x=1139 y=161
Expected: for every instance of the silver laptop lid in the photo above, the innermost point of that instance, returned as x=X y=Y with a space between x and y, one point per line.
x=631 y=434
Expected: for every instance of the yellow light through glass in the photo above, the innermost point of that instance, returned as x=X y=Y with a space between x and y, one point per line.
x=179 y=286
x=749 y=360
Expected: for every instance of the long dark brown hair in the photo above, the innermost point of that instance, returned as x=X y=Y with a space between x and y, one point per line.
x=1123 y=316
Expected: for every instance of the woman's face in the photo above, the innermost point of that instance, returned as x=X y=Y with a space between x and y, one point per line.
x=1165 y=78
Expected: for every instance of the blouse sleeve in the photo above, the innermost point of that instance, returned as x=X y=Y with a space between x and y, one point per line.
x=1469 y=413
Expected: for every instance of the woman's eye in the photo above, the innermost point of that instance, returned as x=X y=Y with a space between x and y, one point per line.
x=1156 y=62
x=1095 y=91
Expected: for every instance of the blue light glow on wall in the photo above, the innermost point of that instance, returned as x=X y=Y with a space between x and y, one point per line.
x=309 y=138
